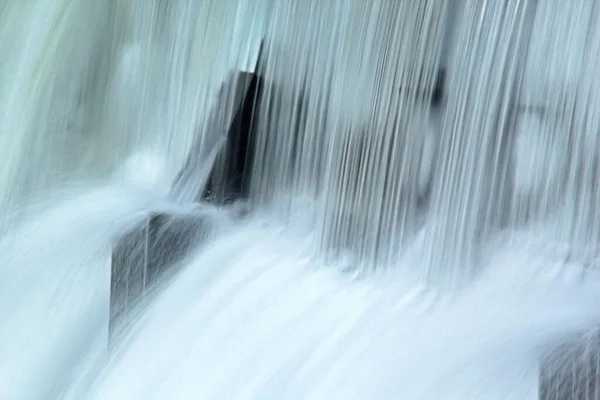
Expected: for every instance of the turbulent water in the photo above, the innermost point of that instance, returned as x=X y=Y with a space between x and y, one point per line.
x=394 y=243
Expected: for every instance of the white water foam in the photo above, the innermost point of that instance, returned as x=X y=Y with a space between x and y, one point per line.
x=254 y=316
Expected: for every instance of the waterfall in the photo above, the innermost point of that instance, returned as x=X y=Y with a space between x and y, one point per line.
x=299 y=199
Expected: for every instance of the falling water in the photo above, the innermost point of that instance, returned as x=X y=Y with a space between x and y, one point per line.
x=416 y=217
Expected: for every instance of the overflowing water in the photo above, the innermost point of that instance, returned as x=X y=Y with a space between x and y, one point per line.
x=420 y=220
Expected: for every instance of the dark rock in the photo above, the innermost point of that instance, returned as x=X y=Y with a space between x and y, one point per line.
x=434 y=95
x=572 y=371
x=230 y=176
x=230 y=136
x=145 y=255
x=438 y=90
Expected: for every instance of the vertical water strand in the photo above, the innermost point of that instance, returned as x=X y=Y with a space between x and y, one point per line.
x=302 y=86
x=565 y=77
x=313 y=110
x=535 y=122
x=297 y=60
x=251 y=24
x=366 y=145
x=349 y=113
x=468 y=197
x=172 y=34
x=265 y=179
x=167 y=39
x=401 y=111
x=557 y=136
x=582 y=213
x=551 y=149
x=361 y=176
x=415 y=135
x=11 y=36
x=313 y=138
x=201 y=46
x=48 y=93
x=351 y=138
x=120 y=116
x=590 y=224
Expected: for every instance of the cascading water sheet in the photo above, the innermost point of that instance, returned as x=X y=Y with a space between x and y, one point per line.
x=338 y=128
x=406 y=153
x=255 y=315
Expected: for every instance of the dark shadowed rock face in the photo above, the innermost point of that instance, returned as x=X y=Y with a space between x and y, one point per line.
x=230 y=176
x=433 y=95
x=226 y=147
x=147 y=254
x=572 y=372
